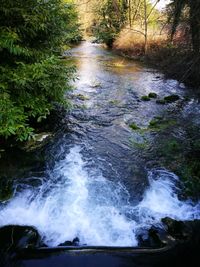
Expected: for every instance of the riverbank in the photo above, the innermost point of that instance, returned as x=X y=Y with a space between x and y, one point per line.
x=176 y=61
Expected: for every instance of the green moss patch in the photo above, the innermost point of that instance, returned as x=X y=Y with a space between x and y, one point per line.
x=134 y=126
x=158 y=123
x=152 y=95
x=145 y=98
x=171 y=98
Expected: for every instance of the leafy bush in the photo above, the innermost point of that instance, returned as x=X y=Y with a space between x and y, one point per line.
x=111 y=18
x=32 y=75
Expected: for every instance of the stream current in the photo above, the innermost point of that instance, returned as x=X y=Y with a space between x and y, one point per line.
x=99 y=188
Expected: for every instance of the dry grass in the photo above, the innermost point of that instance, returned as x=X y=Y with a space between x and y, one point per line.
x=132 y=43
x=177 y=59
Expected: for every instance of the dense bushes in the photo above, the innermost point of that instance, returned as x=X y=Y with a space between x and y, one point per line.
x=32 y=76
x=111 y=18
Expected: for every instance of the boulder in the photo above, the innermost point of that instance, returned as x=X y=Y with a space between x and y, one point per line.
x=178 y=229
x=73 y=243
x=171 y=98
x=152 y=95
x=145 y=98
x=13 y=237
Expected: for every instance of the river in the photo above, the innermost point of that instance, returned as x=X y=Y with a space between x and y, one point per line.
x=104 y=184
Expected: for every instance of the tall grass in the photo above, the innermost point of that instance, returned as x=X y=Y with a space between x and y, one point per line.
x=175 y=58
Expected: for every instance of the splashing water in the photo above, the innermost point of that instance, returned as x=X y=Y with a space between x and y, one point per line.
x=75 y=203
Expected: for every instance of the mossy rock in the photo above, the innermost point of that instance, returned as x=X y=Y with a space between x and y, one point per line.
x=172 y=146
x=171 y=98
x=39 y=140
x=114 y=102
x=134 y=126
x=95 y=84
x=6 y=189
x=161 y=102
x=152 y=95
x=82 y=97
x=140 y=145
x=176 y=229
x=158 y=123
x=2 y=151
x=19 y=237
x=145 y=98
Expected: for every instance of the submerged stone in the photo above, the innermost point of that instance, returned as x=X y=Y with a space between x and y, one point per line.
x=171 y=98
x=161 y=101
x=159 y=123
x=133 y=126
x=145 y=98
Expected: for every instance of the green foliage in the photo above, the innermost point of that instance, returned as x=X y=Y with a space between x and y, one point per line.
x=111 y=19
x=183 y=160
x=73 y=32
x=32 y=76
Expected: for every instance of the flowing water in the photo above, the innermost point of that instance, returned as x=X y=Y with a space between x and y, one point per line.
x=98 y=186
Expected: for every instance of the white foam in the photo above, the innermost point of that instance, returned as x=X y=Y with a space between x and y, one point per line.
x=73 y=203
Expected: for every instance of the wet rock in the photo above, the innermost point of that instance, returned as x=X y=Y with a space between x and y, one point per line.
x=14 y=237
x=171 y=98
x=38 y=141
x=76 y=241
x=6 y=189
x=159 y=123
x=66 y=244
x=153 y=239
x=174 y=233
x=95 y=84
x=81 y=97
x=177 y=229
x=152 y=95
x=145 y=98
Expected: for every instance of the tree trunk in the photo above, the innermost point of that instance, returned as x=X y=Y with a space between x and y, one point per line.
x=195 y=24
x=129 y=13
x=145 y=28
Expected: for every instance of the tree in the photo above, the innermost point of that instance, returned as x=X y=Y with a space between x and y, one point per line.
x=32 y=75
x=111 y=18
x=194 y=19
x=142 y=12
